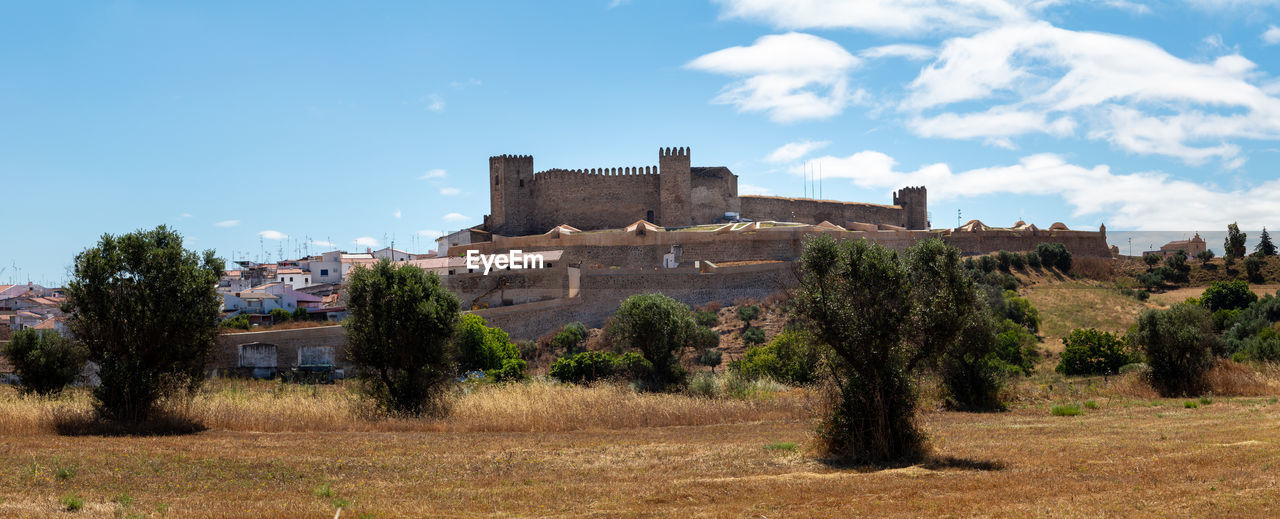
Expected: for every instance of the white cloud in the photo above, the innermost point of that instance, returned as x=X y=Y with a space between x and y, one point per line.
x=449 y=191
x=435 y=173
x=1271 y=35
x=455 y=217
x=1127 y=5
x=1042 y=79
x=899 y=50
x=748 y=189
x=397 y=214
x=470 y=82
x=880 y=16
x=791 y=76
x=1141 y=201
x=435 y=103
x=430 y=234
x=794 y=150
x=322 y=243
x=227 y=223
x=186 y=215
x=273 y=235
x=366 y=241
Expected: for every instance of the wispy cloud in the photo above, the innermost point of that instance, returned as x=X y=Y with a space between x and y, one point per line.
x=1271 y=35
x=456 y=217
x=185 y=215
x=397 y=214
x=434 y=102
x=879 y=16
x=791 y=77
x=430 y=233
x=366 y=241
x=273 y=235
x=435 y=173
x=449 y=191
x=899 y=50
x=322 y=243
x=470 y=82
x=749 y=189
x=794 y=150
x=227 y=223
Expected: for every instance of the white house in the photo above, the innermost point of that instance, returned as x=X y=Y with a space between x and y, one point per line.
x=294 y=277
x=391 y=254
x=263 y=299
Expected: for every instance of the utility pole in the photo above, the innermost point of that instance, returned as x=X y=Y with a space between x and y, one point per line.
x=957 y=218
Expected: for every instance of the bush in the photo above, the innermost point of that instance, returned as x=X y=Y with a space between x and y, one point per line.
x=1033 y=259
x=1093 y=352
x=482 y=347
x=704 y=339
x=399 y=336
x=1018 y=261
x=1179 y=269
x=1151 y=259
x=1253 y=268
x=1004 y=260
x=987 y=263
x=711 y=358
x=748 y=313
x=280 y=315
x=239 y=322
x=1015 y=348
x=971 y=374
x=706 y=318
x=1204 y=256
x=1179 y=344
x=1055 y=255
x=585 y=367
x=570 y=337
x=659 y=328
x=1224 y=318
x=753 y=335
x=1020 y=310
x=1066 y=410
x=1227 y=295
x=147 y=310
x=301 y=314
x=45 y=362
x=790 y=358
x=1151 y=280
x=511 y=370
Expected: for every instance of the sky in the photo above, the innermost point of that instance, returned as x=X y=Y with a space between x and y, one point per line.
x=262 y=129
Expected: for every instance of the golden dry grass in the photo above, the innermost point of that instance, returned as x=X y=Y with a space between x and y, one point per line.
x=1068 y=305
x=1182 y=294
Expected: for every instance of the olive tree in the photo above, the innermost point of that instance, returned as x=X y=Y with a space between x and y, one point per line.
x=660 y=328
x=399 y=333
x=147 y=311
x=45 y=362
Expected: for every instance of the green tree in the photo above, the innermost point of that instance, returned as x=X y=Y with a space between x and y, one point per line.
x=856 y=296
x=753 y=336
x=1204 y=256
x=1227 y=295
x=1178 y=266
x=1265 y=247
x=1055 y=255
x=791 y=358
x=659 y=328
x=1234 y=244
x=748 y=313
x=45 y=362
x=280 y=315
x=711 y=358
x=1253 y=269
x=570 y=337
x=301 y=314
x=1179 y=345
x=1151 y=259
x=482 y=347
x=147 y=311
x=1093 y=352
x=399 y=333
x=972 y=373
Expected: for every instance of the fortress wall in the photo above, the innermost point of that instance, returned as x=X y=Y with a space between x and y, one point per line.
x=522 y=286
x=713 y=194
x=227 y=352
x=816 y=211
x=605 y=198
x=1080 y=243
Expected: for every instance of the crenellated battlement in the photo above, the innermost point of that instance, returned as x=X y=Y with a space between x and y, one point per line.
x=673 y=152
x=510 y=157
x=594 y=173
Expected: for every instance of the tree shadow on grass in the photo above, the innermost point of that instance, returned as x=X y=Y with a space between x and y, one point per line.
x=926 y=462
x=159 y=424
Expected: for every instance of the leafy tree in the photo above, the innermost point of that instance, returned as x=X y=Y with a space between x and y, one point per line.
x=147 y=311
x=301 y=314
x=1179 y=267
x=511 y=370
x=1204 y=256
x=1093 y=352
x=1055 y=255
x=1004 y=260
x=972 y=374
x=1265 y=247
x=45 y=362
x=482 y=347
x=1020 y=310
x=1015 y=348
x=987 y=263
x=711 y=358
x=790 y=358
x=1234 y=244
x=704 y=339
x=1227 y=295
x=399 y=333
x=856 y=295
x=753 y=335
x=280 y=315
x=239 y=322
x=570 y=337
x=1179 y=344
x=1151 y=259
x=659 y=328
x=1253 y=269
x=1033 y=259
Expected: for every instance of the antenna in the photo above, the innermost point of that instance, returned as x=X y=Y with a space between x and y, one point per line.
x=957 y=218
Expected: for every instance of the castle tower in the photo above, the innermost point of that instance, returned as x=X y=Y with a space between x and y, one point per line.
x=510 y=194
x=675 y=187
x=914 y=203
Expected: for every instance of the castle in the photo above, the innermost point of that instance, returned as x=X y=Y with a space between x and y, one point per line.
x=673 y=194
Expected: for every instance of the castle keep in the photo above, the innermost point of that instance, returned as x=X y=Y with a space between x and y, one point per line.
x=672 y=194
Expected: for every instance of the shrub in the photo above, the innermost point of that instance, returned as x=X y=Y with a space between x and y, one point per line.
x=1204 y=256
x=1227 y=295
x=280 y=315
x=45 y=362
x=1190 y=404
x=711 y=358
x=987 y=263
x=1224 y=318
x=1066 y=410
x=301 y=314
x=971 y=374
x=706 y=318
x=1020 y=310
x=570 y=337
x=72 y=503
x=1151 y=280
x=659 y=328
x=753 y=335
x=1055 y=255
x=1018 y=261
x=704 y=339
x=790 y=358
x=1015 y=348
x=748 y=313
x=1090 y=404
x=399 y=336
x=1151 y=259
x=1253 y=268
x=482 y=347
x=1178 y=343
x=1033 y=259
x=511 y=370
x=147 y=310
x=1178 y=267
x=239 y=322
x=1004 y=260
x=585 y=367
x=1093 y=352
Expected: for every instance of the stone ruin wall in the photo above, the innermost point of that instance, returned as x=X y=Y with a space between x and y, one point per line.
x=599 y=198
x=802 y=210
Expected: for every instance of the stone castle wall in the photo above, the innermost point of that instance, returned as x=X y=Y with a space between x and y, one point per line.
x=804 y=210
x=593 y=199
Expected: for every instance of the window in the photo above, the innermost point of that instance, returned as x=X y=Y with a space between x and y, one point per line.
x=496 y=180
x=648 y=216
x=324 y=272
x=522 y=182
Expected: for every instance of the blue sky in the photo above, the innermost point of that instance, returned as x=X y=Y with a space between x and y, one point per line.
x=290 y=126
